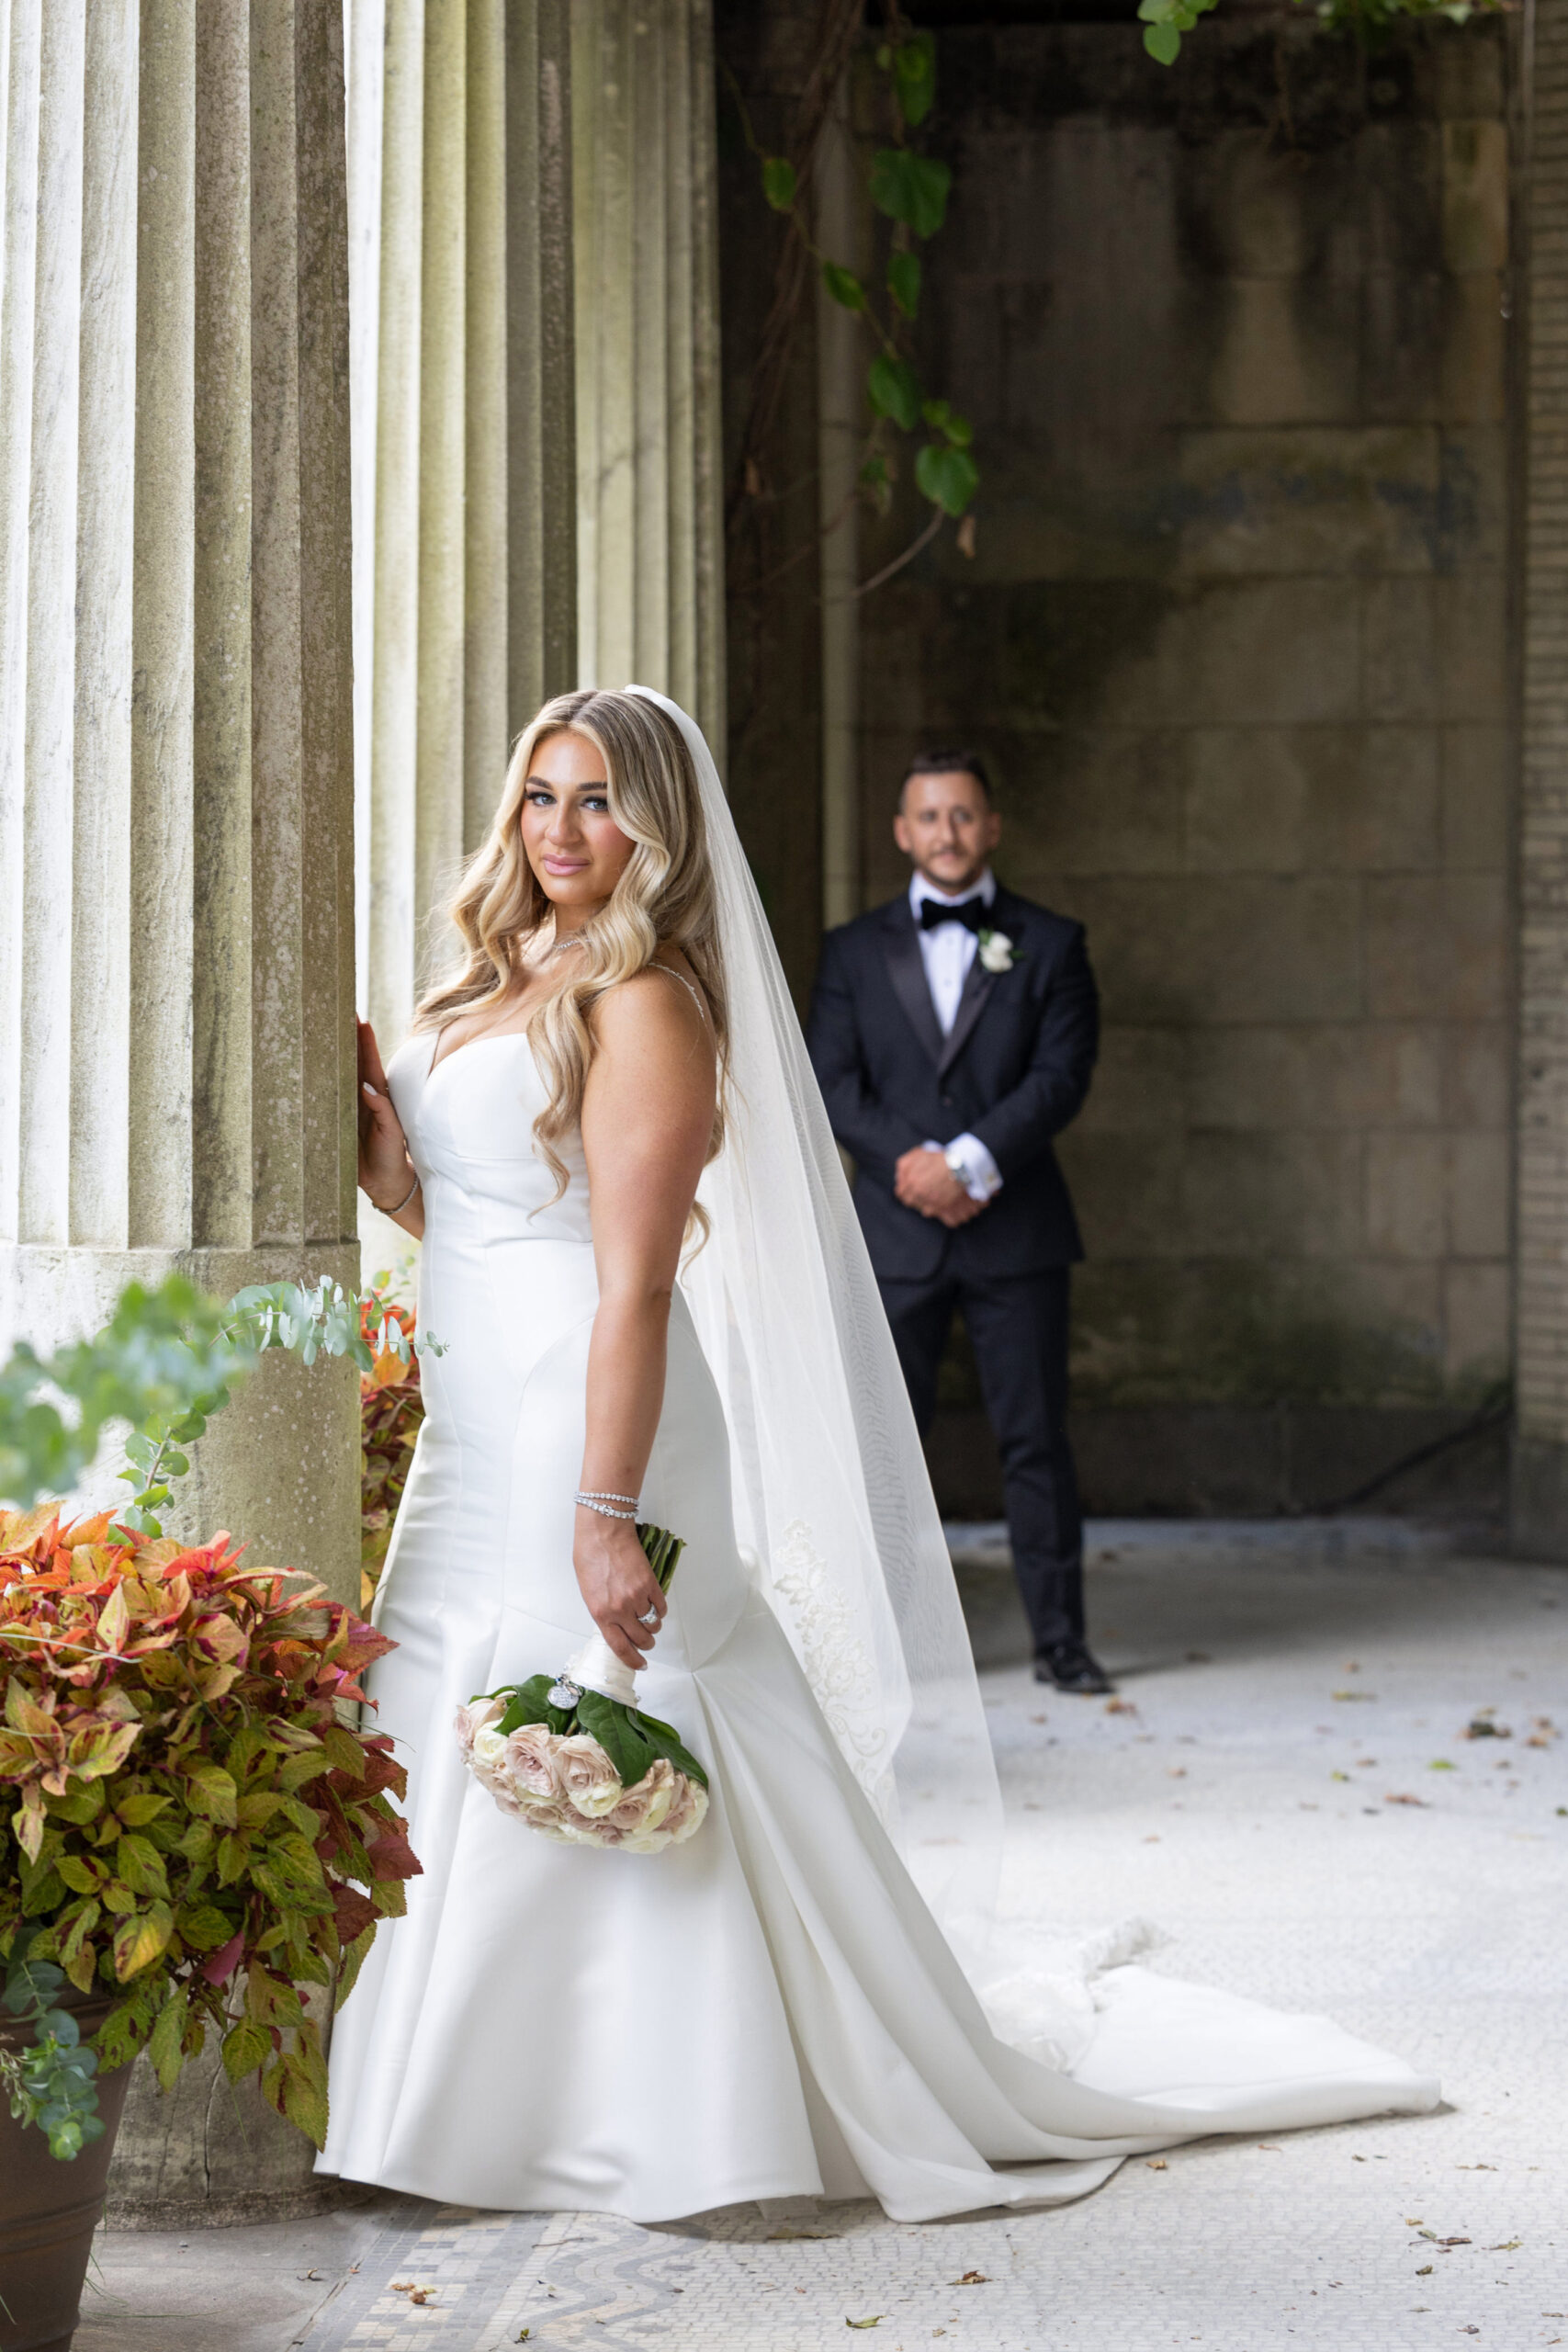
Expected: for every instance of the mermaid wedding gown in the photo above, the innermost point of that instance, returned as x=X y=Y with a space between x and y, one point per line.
x=769 y=2011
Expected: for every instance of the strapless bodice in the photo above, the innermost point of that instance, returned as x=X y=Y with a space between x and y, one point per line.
x=470 y=1124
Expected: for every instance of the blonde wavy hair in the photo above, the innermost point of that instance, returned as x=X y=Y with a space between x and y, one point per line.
x=665 y=897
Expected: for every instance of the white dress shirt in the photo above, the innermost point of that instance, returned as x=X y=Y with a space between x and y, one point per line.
x=947 y=951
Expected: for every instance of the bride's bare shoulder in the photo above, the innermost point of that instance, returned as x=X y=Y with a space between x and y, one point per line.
x=665 y=999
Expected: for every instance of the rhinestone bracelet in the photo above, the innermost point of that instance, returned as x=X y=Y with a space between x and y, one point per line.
x=605 y=1510
x=603 y=1495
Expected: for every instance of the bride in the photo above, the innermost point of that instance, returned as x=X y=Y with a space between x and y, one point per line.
x=641 y=1261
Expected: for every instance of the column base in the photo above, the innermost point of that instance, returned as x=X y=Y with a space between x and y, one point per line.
x=1538 y=1499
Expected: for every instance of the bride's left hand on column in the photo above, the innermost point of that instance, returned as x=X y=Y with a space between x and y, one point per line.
x=617 y=1582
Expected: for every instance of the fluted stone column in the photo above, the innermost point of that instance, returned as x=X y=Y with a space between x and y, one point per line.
x=650 y=557
x=175 y=764
x=464 y=605
x=1539 y=1484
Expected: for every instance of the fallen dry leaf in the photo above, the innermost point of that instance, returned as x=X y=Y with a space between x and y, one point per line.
x=971 y=2278
x=1120 y=1707
x=423 y=2295
x=1266 y=2148
x=1155 y=2163
x=1482 y=1726
x=874 y=2321
x=1509 y=2245
x=1176 y=1772
x=1425 y=2271
x=1151 y=1841
x=1352 y=1694
x=1405 y=1800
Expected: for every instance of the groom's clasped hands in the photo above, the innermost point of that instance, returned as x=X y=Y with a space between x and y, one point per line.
x=922 y=1179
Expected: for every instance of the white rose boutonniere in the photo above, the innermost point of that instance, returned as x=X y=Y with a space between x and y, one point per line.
x=998 y=952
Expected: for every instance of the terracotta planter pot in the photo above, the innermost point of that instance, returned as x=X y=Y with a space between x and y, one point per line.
x=48 y=2210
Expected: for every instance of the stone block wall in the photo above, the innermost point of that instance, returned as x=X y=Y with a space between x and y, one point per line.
x=1234 y=342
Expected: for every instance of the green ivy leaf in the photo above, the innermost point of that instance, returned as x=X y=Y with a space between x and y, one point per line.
x=1163 y=43
x=904 y=281
x=895 y=390
x=948 y=477
x=843 y=285
x=914 y=76
x=779 y=184
x=912 y=188
x=944 y=418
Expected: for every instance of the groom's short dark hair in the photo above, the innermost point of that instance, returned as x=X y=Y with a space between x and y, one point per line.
x=945 y=763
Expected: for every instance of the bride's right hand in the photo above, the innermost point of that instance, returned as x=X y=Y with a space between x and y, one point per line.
x=618 y=1584
x=386 y=1170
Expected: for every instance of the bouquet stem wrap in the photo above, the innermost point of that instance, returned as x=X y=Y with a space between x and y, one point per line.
x=576 y=1759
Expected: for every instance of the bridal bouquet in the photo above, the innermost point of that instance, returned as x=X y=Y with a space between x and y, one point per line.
x=574 y=1756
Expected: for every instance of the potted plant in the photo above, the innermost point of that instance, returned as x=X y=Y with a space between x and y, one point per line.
x=191 y=1835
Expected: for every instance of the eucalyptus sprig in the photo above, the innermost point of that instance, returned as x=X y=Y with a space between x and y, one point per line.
x=51 y=2083
x=165 y=1363
x=325 y=1320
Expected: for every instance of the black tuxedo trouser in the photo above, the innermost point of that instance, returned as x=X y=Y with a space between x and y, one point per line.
x=1018 y=1328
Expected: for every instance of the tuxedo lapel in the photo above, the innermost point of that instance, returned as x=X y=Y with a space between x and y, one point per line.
x=907 y=970
x=978 y=985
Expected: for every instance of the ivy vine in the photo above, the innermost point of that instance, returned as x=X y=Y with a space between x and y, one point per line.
x=910 y=190
x=1165 y=21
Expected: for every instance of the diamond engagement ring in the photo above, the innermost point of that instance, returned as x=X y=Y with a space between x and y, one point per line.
x=650 y=1618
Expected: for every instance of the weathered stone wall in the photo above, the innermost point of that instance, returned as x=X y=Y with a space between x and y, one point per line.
x=1233 y=340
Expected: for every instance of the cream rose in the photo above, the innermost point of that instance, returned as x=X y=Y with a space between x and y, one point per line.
x=587 y=1776
x=686 y=1814
x=472 y=1719
x=489 y=1759
x=996 y=952
x=646 y=1804
x=531 y=1767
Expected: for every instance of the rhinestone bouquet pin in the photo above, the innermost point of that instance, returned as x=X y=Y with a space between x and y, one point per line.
x=576 y=1759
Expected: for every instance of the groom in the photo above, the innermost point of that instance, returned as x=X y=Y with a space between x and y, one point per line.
x=953 y=1033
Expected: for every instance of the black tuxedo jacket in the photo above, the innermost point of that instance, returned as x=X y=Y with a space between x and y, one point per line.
x=1014 y=1070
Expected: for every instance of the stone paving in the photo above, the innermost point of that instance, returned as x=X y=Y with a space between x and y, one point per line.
x=1284 y=1783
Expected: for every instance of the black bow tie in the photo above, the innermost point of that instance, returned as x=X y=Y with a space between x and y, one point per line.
x=970 y=912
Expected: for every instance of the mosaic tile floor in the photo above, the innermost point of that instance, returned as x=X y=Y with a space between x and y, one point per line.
x=1271 y=1788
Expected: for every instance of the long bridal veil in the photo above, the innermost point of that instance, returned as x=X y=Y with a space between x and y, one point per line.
x=833 y=1499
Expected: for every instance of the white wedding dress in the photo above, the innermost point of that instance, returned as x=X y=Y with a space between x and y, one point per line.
x=769 y=2011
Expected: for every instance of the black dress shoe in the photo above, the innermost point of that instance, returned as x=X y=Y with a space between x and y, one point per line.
x=1070 y=1667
